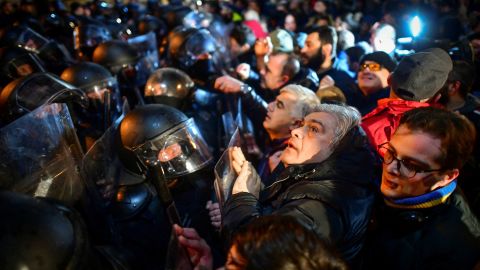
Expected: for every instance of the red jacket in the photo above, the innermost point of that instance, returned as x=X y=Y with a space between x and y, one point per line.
x=381 y=123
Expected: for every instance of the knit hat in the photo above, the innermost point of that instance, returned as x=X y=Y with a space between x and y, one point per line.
x=381 y=58
x=282 y=41
x=421 y=75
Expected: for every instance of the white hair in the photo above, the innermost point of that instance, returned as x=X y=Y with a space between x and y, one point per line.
x=307 y=100
x=347 y=118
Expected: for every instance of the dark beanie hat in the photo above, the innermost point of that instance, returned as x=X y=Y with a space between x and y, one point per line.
x=381 y=58
x=421 y=75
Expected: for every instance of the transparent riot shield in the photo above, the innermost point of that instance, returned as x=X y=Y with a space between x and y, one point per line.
x=102 y=168
x=101 y=164
x=41 y=155
x=225 y=175
x=147 y=47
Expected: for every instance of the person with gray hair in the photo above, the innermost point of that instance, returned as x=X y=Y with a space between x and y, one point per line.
x=306 y=99
x=292 y=104
x=326 y=185
x=347 y=117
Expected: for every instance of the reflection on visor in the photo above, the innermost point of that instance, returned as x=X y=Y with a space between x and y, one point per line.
x=98 y=94
x=129 y=71
x=24 y=70
x=179 y=152
x=170 y=152
x=31 y=40
x=137 y=73
x=200 y=43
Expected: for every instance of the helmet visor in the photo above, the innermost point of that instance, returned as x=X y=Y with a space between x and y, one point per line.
x=24 y=65
x=96 y=94
x=90 y=35
x=31 y=40
x=169 y=82
x=200 y=42
x=179 y=152
x=43 y=88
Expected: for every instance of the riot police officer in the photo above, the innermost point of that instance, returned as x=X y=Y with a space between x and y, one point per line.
x=150 y=138
x=101 y=88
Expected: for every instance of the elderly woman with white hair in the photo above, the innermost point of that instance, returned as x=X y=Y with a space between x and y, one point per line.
x=327 y=185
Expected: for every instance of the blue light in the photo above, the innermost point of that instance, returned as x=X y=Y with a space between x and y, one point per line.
x=415 y=26
x=405 y=40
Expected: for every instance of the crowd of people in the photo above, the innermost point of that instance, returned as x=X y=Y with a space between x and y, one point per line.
x=240 y=134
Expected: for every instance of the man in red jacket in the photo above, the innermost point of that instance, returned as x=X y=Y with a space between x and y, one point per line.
x=416 y=82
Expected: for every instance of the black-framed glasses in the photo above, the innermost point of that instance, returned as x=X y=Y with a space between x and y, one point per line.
x=371 y=67
x=405 y=166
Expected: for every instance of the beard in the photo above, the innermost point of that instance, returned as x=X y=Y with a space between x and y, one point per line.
x=315 y=61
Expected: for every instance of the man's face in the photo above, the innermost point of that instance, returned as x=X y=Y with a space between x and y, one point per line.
x=290 y=23
x=282 y=113
x=311 y=54
x=372 y=77
x=311 y=142
x=272 y=77
x=419 y=151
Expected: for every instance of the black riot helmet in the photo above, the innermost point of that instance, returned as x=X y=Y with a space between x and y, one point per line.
x=198 y=19
x=54 y=55
x=123 y=60
x=162 y=136
x=174 y=15
x=149 y=23
x=95 y=81
x=190 y=44
x=168 y=86
x=87 y=36
x=23 y=95
x=42 y=234
x=115 y=55
x=195 y=52
x=17 y=62
x=176 y=39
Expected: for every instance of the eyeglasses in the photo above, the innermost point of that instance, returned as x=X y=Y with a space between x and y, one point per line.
x=371 y=67
x=404 y=166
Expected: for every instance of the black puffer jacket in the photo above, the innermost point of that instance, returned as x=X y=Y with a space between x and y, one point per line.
x=445 y=236
x=334 y=197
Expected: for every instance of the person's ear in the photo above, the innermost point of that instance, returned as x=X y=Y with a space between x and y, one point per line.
x=447 y=177
x=284 y=79
x=327 y=49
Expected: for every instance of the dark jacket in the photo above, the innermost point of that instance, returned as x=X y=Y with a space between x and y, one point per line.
x=341 y=78
x=366 y=104
x=446 y=236
x=305 y=77
x=470 y=173
x=333 y=197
